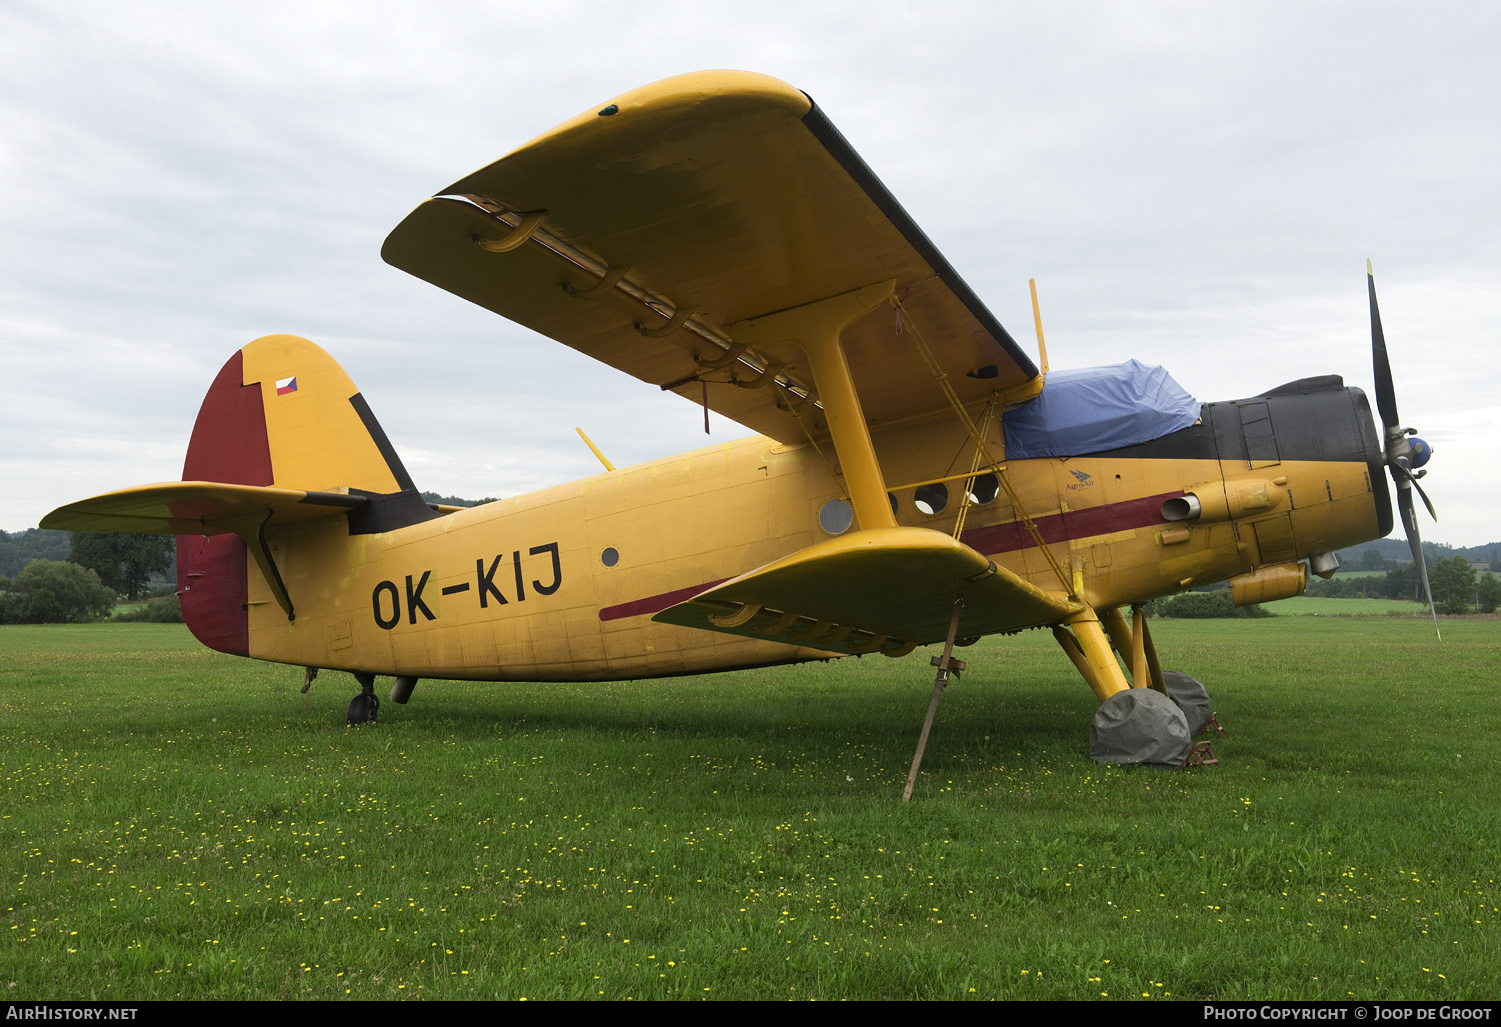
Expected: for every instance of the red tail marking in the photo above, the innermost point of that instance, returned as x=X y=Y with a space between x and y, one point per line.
x=229 y=444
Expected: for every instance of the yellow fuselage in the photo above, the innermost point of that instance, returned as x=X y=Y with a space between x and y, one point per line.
x=527 y=588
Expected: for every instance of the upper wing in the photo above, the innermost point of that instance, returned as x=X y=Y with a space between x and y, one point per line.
x=724 y=196
x=886 y=590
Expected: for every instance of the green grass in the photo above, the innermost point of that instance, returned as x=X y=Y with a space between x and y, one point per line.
x=179 y=823
x=1320 y=606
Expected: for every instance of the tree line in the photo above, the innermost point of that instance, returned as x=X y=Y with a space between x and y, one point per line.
x=1457 y=588
x=100 y=568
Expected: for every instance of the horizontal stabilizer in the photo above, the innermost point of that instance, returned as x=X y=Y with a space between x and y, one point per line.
x=206 y=508
x=197 y=508
x=885 y=590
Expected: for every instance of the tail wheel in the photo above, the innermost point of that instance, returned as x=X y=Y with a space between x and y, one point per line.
x=364 y=707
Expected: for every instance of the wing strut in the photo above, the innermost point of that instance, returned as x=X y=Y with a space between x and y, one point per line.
x=816 y=328
x=996 y=467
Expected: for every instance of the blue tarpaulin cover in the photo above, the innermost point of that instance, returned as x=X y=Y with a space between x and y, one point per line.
x=1092 y=409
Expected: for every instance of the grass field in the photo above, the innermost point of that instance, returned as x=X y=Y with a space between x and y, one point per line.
x=179 y=823
x=1319 y=606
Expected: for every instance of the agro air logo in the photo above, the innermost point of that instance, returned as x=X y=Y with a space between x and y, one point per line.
x=1084 y=480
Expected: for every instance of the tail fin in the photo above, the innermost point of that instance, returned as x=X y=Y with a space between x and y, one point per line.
x=282 y=436
x=281 y=412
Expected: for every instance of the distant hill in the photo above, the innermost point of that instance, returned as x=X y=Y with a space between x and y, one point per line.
x=18 y=548
x=1398 y=549
x=433 y=497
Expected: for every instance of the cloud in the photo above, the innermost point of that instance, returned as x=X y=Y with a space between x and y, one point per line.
x=1195 y=186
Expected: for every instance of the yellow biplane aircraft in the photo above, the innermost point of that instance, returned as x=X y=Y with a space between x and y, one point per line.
x=916 y=477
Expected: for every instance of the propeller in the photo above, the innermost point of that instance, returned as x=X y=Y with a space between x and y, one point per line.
x=1404 y=456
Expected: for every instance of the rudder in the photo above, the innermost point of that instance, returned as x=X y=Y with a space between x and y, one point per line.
x=280 y=412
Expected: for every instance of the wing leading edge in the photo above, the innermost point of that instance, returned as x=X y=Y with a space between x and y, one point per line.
x=638 y=230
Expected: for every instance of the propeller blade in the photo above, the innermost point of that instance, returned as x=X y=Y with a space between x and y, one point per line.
x=1386 y=394
x=1426 y=501
x=1397 y=449
x=1415 y=543
x=1403 y=475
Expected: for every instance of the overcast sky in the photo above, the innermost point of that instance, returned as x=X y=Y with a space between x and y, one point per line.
x=1195 y=185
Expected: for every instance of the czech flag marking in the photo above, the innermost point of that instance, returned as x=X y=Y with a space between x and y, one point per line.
x=286 y=385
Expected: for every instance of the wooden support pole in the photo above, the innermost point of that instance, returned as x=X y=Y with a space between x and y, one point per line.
x=939 y=681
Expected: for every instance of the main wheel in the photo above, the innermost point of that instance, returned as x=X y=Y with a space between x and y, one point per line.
x=1139 y=725
x=363 y=708
x=1191 y=698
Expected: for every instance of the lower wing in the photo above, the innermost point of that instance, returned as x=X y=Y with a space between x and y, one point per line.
x=886 y=590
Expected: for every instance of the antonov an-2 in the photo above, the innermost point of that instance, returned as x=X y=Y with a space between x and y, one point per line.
x=915 y=477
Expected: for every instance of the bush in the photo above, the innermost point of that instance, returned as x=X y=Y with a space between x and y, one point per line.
x=163 y=611
x=1346 y=588
x=1453 y=584
x=55 y=592
x=1198 y=605
x=1488 y=593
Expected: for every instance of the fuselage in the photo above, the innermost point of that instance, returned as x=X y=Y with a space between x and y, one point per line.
x=561 y=584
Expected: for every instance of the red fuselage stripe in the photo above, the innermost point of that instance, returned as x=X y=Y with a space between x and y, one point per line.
x=1060 y=527
x=657 y=603
x=998 y=538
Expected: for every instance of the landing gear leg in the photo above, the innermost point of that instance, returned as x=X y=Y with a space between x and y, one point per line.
x=1135 y=723
x=401 y=689
x=364 y=707
x=1134 y=643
